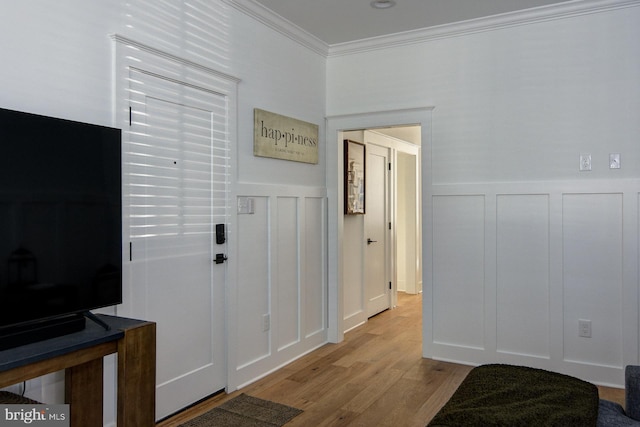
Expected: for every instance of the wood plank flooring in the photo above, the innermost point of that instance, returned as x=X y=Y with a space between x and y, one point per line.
x=375 y=377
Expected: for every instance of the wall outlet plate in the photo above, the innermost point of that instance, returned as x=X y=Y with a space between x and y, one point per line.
x=585 y=162
x=584 y=328
x=614 y=161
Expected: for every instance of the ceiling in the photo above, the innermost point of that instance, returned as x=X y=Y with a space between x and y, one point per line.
x=341 y=21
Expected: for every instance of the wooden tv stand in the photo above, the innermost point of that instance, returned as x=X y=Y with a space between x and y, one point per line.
x=80 y=354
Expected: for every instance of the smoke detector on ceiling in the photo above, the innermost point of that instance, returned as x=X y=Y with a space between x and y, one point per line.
x=382 y=4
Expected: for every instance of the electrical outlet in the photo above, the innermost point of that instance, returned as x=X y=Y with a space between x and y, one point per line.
x=266 y=322
x=614 y=161
x=585 y=162
x=584 y=328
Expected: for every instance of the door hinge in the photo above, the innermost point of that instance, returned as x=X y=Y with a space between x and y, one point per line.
x=389 y=285
x=130 y=116
x=389 y=165
x=389 y=225
x=130 y=251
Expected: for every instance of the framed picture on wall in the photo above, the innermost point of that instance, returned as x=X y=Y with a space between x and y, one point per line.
x=354 y=177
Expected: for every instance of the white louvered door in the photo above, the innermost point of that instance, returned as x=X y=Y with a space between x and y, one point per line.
x=177 y=166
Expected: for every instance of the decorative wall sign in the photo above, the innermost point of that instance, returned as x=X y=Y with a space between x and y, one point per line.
x=282 y=137
x=354 y=177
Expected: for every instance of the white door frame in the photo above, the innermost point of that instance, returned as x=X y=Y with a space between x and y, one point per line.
x=335 y=125
x=130 y=53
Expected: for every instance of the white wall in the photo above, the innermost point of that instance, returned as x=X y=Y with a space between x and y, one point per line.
x=281 y=248
x=57 y=60
x=522 y=243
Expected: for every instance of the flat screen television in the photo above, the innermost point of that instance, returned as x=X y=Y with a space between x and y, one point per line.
x=60 y=224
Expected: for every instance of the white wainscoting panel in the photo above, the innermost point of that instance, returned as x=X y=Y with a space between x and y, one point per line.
x=523 y=274
x=313 y=266
x=458 y=270
x=563 y=253
x=592 y=277
x=352 y=241
x=253 y=283
x=286 y=280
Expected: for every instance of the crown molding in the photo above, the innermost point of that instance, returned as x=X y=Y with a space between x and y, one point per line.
x=279 y=24
x=496 y=22
x=490 y=23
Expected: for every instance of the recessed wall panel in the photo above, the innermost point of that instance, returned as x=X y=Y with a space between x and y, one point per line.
x=287 y=271
x=592 y=277
x=523 y=274
x=353 y=277
x=315 y=301
x=253 y=283
x=458 y=270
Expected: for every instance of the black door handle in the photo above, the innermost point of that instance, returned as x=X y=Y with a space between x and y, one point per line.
x=369 y=241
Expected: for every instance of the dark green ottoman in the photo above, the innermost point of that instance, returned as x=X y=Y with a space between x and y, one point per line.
x=505 y=395
x=8 y=398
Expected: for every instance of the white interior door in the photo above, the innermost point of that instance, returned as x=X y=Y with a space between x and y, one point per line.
x=376 y=226
x=176 y=175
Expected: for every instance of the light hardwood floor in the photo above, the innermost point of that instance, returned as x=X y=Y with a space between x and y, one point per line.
x=375 y=377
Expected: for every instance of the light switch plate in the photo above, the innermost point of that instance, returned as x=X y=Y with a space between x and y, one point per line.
x=585 y=162
x=614 y=161
x=245 y=205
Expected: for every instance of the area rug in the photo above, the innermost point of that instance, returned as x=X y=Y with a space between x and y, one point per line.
x=245 y=411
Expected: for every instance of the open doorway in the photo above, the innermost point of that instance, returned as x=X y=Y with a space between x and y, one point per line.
x=336 y=126
x=382 y=244
x=407 y=206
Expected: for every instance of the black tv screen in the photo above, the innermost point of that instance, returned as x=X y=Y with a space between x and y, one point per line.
x=60 y=217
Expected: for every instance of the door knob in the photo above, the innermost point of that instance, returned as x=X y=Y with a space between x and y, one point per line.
x=369 y=241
